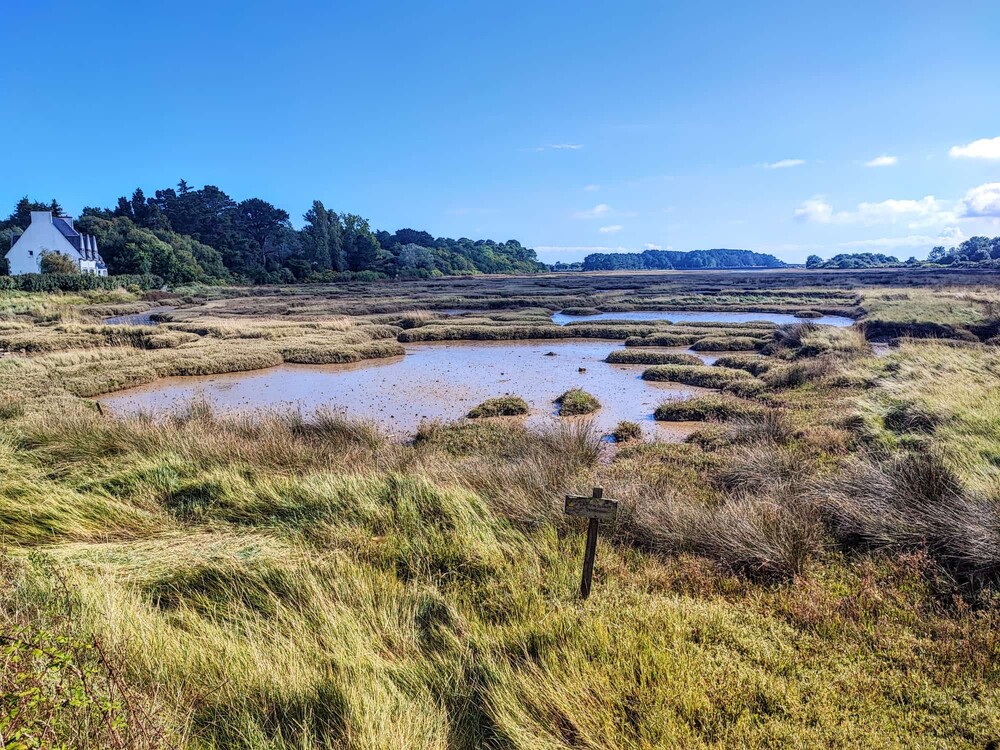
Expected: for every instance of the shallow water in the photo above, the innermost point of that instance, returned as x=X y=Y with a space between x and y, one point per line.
x=137 y=319
x=440 y=381
x=713 y=316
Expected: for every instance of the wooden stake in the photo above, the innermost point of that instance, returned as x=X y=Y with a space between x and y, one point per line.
x=594 y=508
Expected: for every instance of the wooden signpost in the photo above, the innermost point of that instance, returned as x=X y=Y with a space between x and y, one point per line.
x=596 y=508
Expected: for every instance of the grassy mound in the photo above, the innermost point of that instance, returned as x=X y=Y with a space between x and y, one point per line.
x=626 y=431
x=577 y=401
x=502 y=406
x=727 y=344
x=640 y=357
x=706 y=408
x=752 y=363
x=698 y=375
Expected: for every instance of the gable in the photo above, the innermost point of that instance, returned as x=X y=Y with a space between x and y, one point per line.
x=38 y=237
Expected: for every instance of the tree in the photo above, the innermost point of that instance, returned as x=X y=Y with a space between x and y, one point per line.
x=21 y=216
x=258 y=219
x=813 y=261
x=53 y=262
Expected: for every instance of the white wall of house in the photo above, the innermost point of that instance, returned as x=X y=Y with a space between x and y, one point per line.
x=26 y=255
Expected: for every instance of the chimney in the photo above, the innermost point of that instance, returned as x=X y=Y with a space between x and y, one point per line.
x=42 y=217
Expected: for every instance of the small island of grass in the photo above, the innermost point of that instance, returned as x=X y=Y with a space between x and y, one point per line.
x=577 y=401
x=502 y=406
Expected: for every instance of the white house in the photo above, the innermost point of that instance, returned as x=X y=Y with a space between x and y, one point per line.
x=55 y=234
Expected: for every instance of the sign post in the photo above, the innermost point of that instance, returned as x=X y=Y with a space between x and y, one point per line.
x=594 y=508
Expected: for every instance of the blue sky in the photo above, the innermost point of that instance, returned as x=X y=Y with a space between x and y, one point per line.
x=573 y=127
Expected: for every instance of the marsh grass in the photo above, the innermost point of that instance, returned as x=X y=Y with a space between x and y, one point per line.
x=501 y=406
x=286 y=580
x=702 y=376
x=576 y=402
x=646 y=357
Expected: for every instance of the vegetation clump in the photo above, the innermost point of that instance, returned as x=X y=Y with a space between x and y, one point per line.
x=702 y=376
x=626 y=431
x=502 y=406
x=752 y=363
x=727 y=344
x=580 y=311
x=640 y=357
x=704 y=408
x=577 y=401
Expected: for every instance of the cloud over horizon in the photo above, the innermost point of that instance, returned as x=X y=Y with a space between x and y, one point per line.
x=984 y=148
x=883 y=161
x=784 y=164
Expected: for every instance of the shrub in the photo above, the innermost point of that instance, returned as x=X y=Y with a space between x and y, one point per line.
x=77 y=282
x=702 y=375
x=577 y=401
x=626 y=431
x=639 y=357
x=705 y=408
x=502 y=406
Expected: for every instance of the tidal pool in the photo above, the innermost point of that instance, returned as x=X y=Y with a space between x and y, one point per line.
x=702 y=316
x=433 y=381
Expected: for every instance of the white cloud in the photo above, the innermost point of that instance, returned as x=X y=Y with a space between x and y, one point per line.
x=984 y=148
x=982 y=201
x=883 y=161
x=611 y=229
x=601 y=209
x=815 y=210
x=591 y=188
x=784 y=164
x=926 y=211
x=651 y=246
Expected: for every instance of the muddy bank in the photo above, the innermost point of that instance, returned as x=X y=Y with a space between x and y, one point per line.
x=682 y=316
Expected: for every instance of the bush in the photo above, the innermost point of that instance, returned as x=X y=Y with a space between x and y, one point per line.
x=639 y=357
x=53 y=262
x=577 y=401
x=503 y=406
x=65 y=282
x=705 y=408
x=702 y=375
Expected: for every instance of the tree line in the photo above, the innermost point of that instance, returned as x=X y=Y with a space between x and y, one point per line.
x=188 y=235
x=666 y=260
x=978 y=252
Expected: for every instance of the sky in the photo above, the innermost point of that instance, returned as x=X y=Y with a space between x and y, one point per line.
x=791 y=128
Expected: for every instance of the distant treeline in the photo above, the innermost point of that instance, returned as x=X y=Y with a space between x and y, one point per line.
x=981 y=252
x=186 y=235
x=665 y=260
